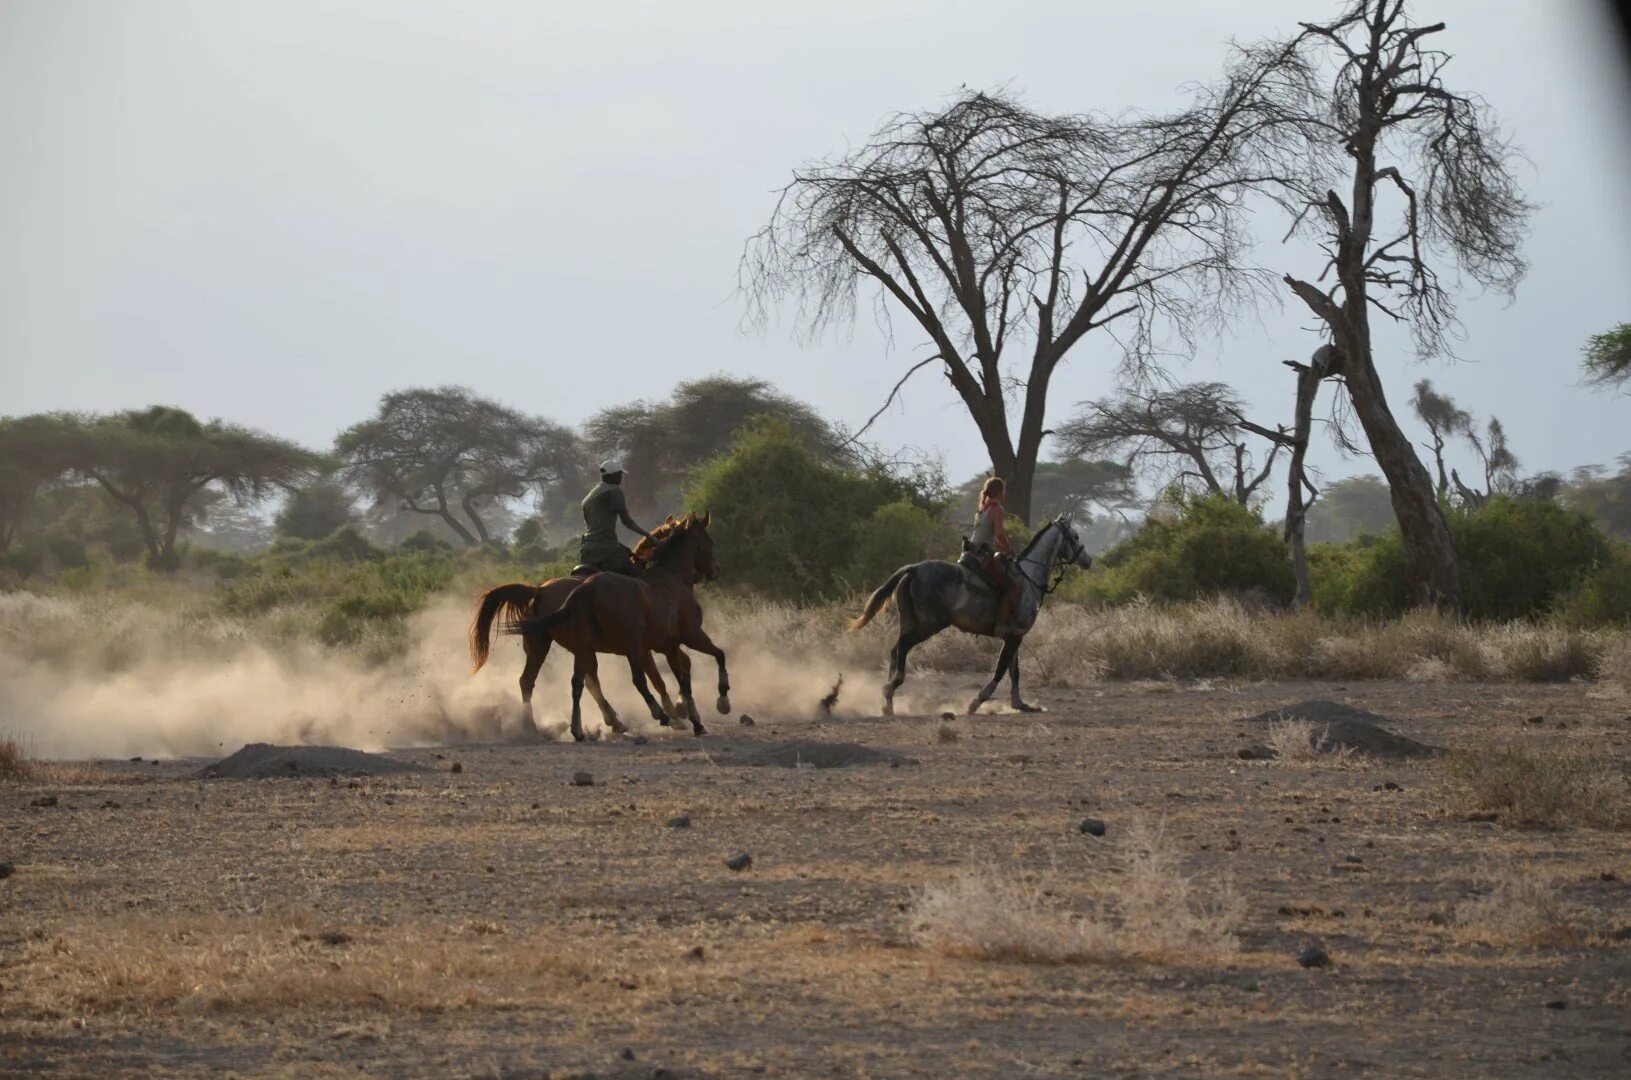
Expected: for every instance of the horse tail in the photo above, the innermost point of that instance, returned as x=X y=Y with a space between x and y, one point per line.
x=881 y=596
x=579 y=599
x=513 y=602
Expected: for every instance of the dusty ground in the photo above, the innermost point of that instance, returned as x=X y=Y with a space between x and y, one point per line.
x=501 y=921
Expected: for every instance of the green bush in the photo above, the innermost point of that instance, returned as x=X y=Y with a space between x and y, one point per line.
x=68 y=552
x=1519 y=559
x=897 y=533
x=24 y=558
x=424 y=541
x=1603 y=596
x=789 y=520
x=1213 y=546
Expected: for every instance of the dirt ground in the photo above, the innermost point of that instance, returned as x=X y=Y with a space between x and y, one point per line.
x=502 y=920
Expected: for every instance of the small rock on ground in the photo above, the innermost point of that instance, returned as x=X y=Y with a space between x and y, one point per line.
x=741 y=862
x=1092 y=826
x=681 y=822
x=1313 y=956
x=6 y=870
x=583 y=779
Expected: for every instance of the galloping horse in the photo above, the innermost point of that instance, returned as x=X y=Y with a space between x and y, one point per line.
x=518 y=601
x=934 y=594
x=637 y=616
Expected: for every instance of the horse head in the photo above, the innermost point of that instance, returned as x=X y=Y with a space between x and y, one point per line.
x=1072 y=551
x=706 y=562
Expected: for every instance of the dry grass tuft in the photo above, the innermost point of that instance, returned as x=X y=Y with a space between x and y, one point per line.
x=1530 y=785
x=14 y=763
x=1149 y=911
x=276 y=963
x=1516 y=911
x=1296 y=742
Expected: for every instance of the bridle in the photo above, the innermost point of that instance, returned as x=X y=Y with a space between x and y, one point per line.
x=1044 y=587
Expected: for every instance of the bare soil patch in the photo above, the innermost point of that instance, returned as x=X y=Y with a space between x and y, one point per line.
x=947 y=919
x=815 y=754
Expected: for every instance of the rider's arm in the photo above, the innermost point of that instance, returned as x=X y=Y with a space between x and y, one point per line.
x=1000 y=530
x=628 y=523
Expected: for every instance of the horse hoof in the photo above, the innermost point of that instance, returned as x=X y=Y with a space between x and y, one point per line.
x=723 y=704
x=1020 y=706
x=578 y=736
x=698 y=730
x=974 y=706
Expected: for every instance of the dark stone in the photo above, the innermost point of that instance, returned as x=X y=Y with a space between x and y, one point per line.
x=583 y=779
x=948 y=716
x=681 y=822
x=1535 y=720
x=1353 y=859
x=45 y=800
x=741 y=862
x=627 y=1054
x=1312 y=956
x=1343 y=726
x=696 y=953
x=6 y=870
x=1092 y=826
x=640 y=740
x=1256 y=752
x=457 y=767
x=1557 y=1003
x=746 y=721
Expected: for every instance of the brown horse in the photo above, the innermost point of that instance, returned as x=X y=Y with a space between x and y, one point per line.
x=656 y=612
x=518 y=601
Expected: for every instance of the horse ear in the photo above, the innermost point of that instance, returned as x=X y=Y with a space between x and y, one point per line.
x=706 y=519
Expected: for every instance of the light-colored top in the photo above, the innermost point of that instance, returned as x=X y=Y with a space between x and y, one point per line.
x=990 y=531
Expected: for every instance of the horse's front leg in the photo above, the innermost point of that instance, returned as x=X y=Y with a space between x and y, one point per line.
x=702 y=643
x=1013 y=681
x=1010 y=648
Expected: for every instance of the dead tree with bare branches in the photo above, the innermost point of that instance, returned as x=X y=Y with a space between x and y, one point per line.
x=1189 y=434
x=1000 y=230
x=1427 y=173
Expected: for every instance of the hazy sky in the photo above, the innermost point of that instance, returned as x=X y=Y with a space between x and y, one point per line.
x=275 y=211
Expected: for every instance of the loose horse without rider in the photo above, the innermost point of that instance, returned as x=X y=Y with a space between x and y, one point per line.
x=932 y=595
x=656 y=612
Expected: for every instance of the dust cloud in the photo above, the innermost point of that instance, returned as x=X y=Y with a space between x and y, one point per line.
x=101 y=677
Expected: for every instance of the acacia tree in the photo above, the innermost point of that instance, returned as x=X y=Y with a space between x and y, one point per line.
x=1607 y=357
x=430 y=451
x=1427 y=174
x=661 y=442
x=1000 y=230
x=1444 y=422
x=1188 y=434
x=33 y=452
x=161 y=462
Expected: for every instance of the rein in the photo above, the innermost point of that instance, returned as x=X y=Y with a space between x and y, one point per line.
x=1043 y=587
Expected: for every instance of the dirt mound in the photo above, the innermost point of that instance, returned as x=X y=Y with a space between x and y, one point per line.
x=1345 y=726
x=263 y=761
x=811 y=754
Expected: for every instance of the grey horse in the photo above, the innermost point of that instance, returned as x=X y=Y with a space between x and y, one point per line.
x=932 y=595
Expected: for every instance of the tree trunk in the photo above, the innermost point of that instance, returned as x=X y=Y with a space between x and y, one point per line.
x=1430 y=561
x=468 y=502
x=1308 y=388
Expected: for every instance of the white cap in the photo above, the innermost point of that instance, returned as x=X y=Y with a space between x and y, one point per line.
x=609 y=466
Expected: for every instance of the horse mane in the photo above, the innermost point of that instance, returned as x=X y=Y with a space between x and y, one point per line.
x=663 y=540
x=1034 y=538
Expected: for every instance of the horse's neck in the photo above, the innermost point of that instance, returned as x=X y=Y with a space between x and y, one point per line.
x=1042 y=553
x=679 y=559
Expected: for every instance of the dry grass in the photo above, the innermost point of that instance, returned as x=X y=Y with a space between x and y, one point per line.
x=1517 y=910
x=284 y=962
x=1149 y=910
x=1296 y=742
x=1523 y=784
x=14 y=763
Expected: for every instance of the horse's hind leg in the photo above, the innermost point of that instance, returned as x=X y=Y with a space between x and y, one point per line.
x=908 y=640
x=608 y=715
x=680 y=665
x=1007 y=660
x=656 y=678
x=537 y=649
x=638 y=659
x=582 y=664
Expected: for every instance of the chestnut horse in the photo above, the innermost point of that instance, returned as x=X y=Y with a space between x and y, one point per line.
x=656 y=612
x=518 y=601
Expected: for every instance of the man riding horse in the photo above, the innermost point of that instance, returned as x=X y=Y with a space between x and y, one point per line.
x=603 y=508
